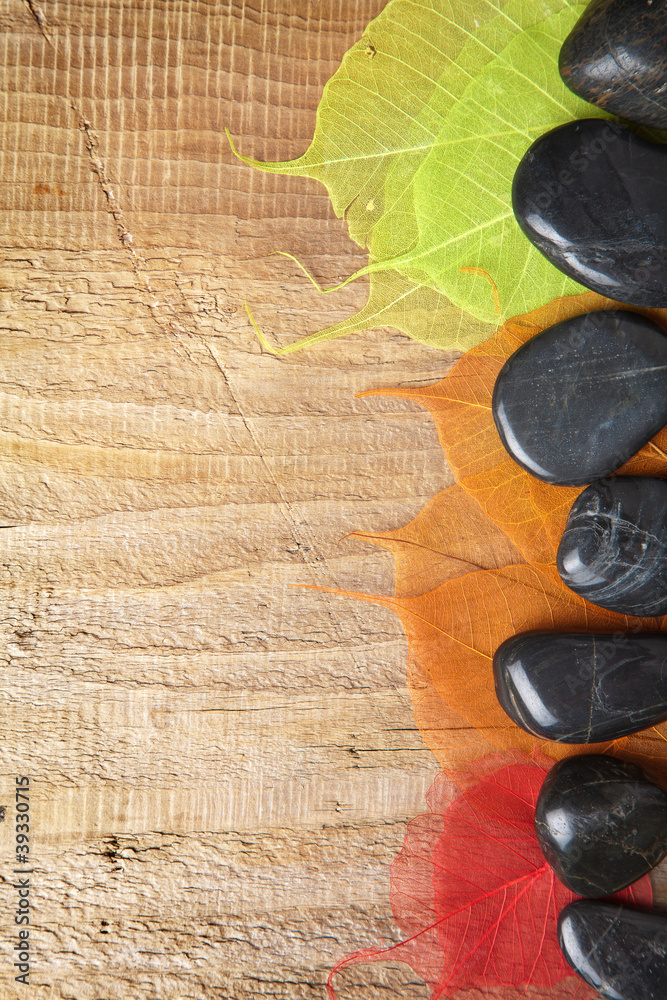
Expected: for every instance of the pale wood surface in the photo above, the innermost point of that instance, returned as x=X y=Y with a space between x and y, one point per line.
x=222 y=765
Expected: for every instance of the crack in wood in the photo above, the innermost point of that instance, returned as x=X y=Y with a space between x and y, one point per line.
x=171 y=323
x=98 y=168
x=39 y=18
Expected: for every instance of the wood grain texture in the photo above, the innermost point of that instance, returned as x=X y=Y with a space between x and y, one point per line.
x=222 y=764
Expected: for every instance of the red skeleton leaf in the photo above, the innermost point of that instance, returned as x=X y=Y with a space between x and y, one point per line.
x=474 y=900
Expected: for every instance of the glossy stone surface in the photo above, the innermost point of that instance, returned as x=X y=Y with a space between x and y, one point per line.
x=616 y=57
x=620 y=952
x=579 y=399
x=601 y=823
x=614 y=548
x=577 y=687
x=592 y=197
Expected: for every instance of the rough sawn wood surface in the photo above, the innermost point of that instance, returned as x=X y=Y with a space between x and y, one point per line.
x=222 y=765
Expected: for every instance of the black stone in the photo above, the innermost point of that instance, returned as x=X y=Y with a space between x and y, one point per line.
x=592 y=196
x=579 y=399
x=620 y=952
x=614 y=548
x=576 y=687
x=616 y=57
x=601 y=823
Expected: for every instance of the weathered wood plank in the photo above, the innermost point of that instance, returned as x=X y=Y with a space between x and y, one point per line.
x=222 y=765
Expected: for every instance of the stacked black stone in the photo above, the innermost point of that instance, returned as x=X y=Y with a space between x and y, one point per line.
x=575 y=402
x=616 y=57
x=592 y=197
x=601 y=824
x=614 y=548
x=578 y=687
x=571 y=406
x=621 y=953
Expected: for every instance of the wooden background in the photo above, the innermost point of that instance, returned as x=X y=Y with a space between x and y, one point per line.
x=222 y=765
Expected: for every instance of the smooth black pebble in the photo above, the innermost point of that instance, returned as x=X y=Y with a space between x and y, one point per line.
x=620 y=952
x=579 y=399
x=616 y=57
x=577 y=687
x=592 y=197
x=601 y=823
x=614 y=548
